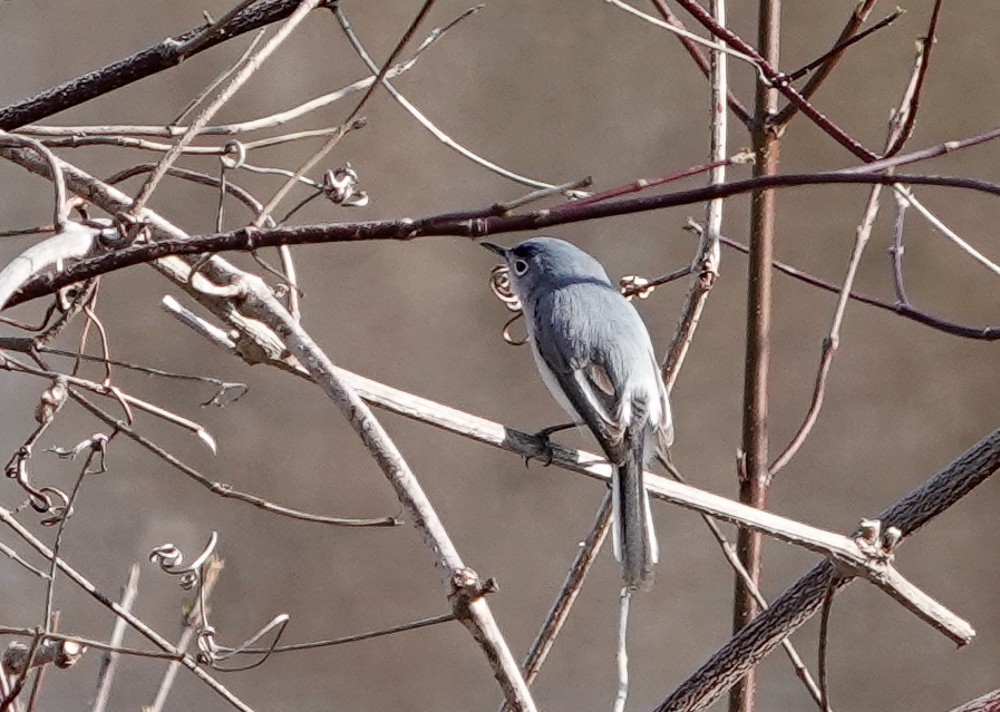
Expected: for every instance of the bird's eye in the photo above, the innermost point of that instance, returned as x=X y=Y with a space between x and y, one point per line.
x=520 y=267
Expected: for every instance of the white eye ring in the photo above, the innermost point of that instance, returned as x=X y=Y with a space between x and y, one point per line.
x=520 y=267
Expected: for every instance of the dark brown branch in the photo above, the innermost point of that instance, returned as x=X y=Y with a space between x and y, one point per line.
x=847 y=39
x=910 y=111
x=157 y=58
x=752 y=470
x=804 y=599
x=468 y=224
x=777 y=80
x=990 y=702
x=906 y=311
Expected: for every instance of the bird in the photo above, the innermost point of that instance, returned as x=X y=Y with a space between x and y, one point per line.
x=596 y=357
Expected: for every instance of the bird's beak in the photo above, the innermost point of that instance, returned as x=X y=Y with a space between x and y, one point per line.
x=502 y=251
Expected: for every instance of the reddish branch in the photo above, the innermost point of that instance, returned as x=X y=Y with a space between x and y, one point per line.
x=753 y=469
x=735 y=105
x=467 y=224
x=829 y=60
x=927 y=45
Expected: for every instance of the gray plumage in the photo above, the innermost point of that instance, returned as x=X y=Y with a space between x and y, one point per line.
x=595 y=355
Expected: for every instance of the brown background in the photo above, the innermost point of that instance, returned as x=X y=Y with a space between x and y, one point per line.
x=556 y=90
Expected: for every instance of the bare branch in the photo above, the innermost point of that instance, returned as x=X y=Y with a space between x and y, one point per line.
x=465 y=589
x=157 y=58
x=804 y=599
x=7 y=518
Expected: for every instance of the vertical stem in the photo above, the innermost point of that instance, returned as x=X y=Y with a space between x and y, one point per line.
x=753 y=472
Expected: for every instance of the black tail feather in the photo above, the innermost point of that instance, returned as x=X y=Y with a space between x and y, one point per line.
x=632 y=529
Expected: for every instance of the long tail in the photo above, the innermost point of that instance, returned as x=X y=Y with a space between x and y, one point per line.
x=633 y=535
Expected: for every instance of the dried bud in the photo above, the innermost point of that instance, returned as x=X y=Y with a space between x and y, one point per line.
x=51 y=401
x=632 y=285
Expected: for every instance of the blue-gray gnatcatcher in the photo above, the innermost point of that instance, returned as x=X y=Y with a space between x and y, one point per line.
x=595 y=355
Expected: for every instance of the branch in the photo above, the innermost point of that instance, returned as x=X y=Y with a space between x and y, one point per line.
x=7 y=518
x=828 y=61
x=465 y=589
x=990 y=702
x=777 y=80
x=157 y=58
x=479 y=224
x=901 y=309
x=804 y=599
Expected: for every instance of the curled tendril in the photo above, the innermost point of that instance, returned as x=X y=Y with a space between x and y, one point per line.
x=211 y=653
x=170 y=559
x=235 y=155
x=341 y=187
x=96 y=444
x=56 y=512
x=510 y=338
x=501 y=288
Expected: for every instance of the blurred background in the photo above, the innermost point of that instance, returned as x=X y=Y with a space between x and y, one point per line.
x=556 y=91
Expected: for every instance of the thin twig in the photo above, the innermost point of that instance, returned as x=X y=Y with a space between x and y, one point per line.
x=844 y=43
x=206 y=114
x=896 y=250
x=741 y=158
x=906 y=195
x=705 y=266
x=830 y=59
x=926 y=45
x=215 y=83
x=904 y=310
x=109 y=663
x=422 y=119
x=735 y=105
x=621 y=654
x=832 y=341
x=223 y=489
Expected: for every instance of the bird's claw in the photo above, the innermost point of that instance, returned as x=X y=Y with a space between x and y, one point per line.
x=544 y=435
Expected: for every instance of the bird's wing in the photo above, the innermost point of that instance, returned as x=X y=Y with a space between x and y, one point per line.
x=587 y=356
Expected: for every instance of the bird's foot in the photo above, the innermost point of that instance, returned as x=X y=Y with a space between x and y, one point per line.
x=546 y=445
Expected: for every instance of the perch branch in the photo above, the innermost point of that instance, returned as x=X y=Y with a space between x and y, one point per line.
x=464 y=586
